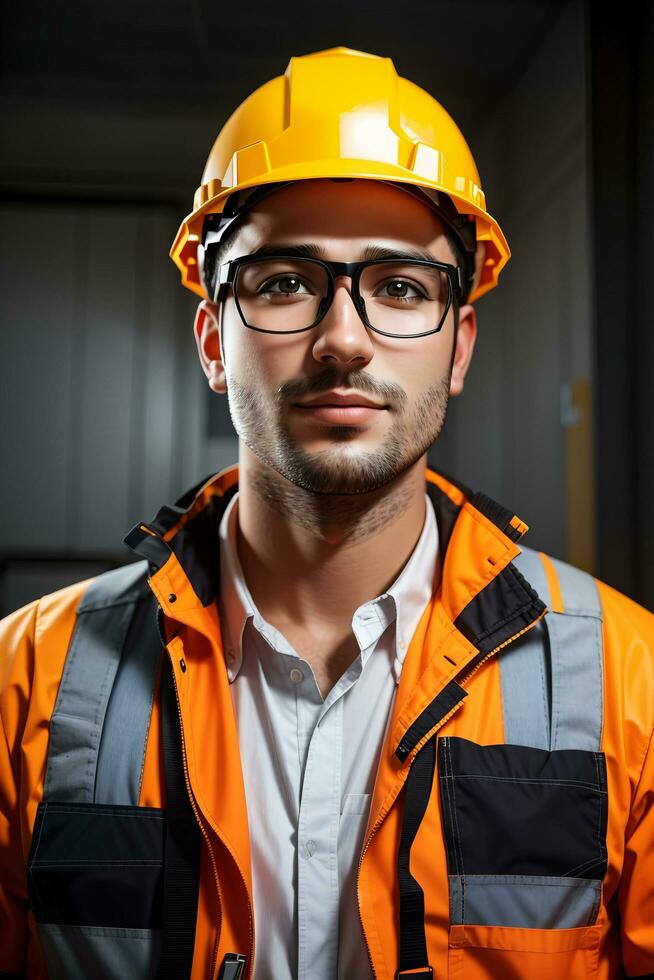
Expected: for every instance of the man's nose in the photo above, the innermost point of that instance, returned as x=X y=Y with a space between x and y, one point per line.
x=342 y=334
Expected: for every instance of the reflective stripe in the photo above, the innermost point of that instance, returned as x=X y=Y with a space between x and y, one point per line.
x=127 y=721
x=564 y=649
x=524 y=670
x=579 y=590
x=577 y=667
x=524 y=901
x=103 y=619
x=99 y=951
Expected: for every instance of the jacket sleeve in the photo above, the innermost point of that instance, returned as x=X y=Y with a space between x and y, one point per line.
x=16 y=670
x=636 y=890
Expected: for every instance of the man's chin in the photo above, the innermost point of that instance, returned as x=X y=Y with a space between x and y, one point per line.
x=338 y=484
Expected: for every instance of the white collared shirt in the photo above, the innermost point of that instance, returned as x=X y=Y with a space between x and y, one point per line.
x=309 y=764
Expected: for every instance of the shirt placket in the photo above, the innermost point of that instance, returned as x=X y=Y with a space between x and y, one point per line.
x=320 y=735
x=319 y=812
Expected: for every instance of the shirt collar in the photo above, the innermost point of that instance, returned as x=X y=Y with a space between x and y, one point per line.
x=404 y=601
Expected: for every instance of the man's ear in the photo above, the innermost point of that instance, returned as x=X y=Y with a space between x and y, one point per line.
x=207 y=337
x=465 y=344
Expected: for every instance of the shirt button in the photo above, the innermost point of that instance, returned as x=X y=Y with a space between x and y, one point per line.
x=231 y=656
x=310 y=848
x=402 y=644
x=296 y=675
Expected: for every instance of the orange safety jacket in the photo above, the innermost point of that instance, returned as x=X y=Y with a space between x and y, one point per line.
x=472 y=828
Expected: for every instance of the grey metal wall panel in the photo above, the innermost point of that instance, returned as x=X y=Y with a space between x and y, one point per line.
x=505 y=431
x=156 y=439
x=38 y=313
x=106 y=383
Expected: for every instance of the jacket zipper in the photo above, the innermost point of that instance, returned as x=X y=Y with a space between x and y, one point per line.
x=373 y=831
x=198 y=818
x=417 y=748
x=501 y=647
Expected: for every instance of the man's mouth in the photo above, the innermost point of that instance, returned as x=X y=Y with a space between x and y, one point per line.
x=342 y=414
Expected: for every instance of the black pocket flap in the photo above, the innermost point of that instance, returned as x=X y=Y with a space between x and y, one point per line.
x=518 y=810
x=93 y=864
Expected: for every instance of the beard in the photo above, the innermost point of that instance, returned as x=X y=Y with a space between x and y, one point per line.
x=344 y=467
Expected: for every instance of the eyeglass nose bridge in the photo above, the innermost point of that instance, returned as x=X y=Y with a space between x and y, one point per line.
x=351 y=270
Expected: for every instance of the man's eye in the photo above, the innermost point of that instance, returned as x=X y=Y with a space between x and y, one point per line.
x=289 y=286
x=399 y=289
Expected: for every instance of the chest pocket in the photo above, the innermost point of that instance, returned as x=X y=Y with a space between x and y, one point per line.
x=525 y=822
x=95 y=883
x=525 y=834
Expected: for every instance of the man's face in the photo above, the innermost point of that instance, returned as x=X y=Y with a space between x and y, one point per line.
x=267 y=375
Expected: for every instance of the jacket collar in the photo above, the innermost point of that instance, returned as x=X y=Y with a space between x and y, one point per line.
x=185 y=533
x=482 y=603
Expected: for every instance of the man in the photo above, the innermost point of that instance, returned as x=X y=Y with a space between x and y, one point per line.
x=336 y=722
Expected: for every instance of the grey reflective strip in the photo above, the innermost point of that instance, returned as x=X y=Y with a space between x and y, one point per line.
x=103 y=618
x=579 y=590
x=524 y=670
x=524 y=901
x=127 y=722
x=577 y=662
x=572 y=659
x=100 y=952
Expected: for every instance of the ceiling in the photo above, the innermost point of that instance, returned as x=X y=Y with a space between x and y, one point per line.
x=204 y=57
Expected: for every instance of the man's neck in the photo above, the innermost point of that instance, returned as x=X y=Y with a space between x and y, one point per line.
x=310 y=560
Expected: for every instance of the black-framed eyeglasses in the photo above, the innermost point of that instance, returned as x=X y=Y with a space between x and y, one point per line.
x=396 y=297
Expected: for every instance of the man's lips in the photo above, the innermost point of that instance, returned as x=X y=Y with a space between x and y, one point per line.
x=341 y=414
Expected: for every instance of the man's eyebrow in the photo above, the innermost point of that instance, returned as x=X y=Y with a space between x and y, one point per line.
x=310 y=250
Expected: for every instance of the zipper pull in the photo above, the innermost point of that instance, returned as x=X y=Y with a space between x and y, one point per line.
x=233 y=967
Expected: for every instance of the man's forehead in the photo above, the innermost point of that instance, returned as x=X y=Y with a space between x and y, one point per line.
x=251 y=239
x=359 y=211
x=355 y=251
x=346 y=249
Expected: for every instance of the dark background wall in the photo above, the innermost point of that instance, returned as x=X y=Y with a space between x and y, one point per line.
x=108 y=113
x=621 y=107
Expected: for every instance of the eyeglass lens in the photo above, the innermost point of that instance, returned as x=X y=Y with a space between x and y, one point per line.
x=286 y=294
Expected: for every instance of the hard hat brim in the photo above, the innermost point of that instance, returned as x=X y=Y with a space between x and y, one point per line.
x=189 y=236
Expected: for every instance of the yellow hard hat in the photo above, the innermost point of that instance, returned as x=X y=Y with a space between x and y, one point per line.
x=341 y=113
